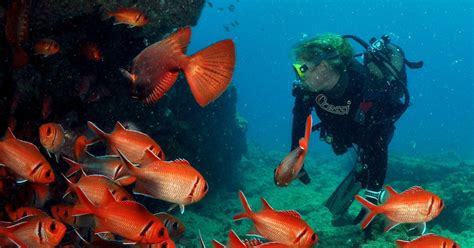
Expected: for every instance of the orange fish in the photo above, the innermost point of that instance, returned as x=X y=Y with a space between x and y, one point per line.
x=96 y=187
x=130 y=16
x=16 y=30
x=176 y=181
x=175 y=227
x=129 y=219
x=46 y=47
x=52 y=138
x=290 y=167
x=109 y=166
x=91 y=51
x=285 y=227
x=22 y=212
x=236 y=242
x=428 y=241
x=80 y=146
x=36 y=231
x=63 y=213
x=131 y=143
x=25 y=160
x=414 y=205
x=156 y=68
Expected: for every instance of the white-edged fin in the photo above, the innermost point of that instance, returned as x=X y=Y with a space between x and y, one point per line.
x=390 y=225
x=181 y=208
x=20 y=180
x=172 y=207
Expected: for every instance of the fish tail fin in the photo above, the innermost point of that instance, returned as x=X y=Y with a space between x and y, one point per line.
x=75 y=167
x=304 y=141
x=248 y=211
x=209 y=71
x=371 y=208
x=401 y=243
x=20 y=57
x=101 y=134
x=127 y=163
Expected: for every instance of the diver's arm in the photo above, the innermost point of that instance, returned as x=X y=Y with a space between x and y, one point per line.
x=301 y=110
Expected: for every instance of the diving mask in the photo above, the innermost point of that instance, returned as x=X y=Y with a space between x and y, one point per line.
x=300 y=70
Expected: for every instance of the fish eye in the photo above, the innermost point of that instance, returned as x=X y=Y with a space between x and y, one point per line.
x=313 y=237
x=24 y=214
x=48 y=173
x=48 y=131
x=175 y=226
x=161 y=232
x=66 y=213
x=52 y=226
x=441 y=204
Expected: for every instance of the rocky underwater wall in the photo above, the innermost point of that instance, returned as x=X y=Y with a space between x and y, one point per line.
x=70 y=89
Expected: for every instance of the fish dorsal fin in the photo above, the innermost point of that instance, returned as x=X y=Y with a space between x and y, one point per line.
x=149 y=157
x=391 y=191
x=179 y=40
x=293 y=213
x=414 y=189
x=119 y=127
x=265 y=204
x=9 y=134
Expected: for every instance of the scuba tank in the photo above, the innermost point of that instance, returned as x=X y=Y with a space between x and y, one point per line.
x=386 y=63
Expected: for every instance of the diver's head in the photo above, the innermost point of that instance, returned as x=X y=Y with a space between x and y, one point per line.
x=320 y=60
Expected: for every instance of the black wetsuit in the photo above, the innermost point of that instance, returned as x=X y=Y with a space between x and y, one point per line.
x=357 y=111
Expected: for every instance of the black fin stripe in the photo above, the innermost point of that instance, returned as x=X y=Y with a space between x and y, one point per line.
x=145 y=229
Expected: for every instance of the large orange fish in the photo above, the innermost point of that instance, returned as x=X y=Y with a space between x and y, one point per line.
x=414 y=205
x=129 y=219
x=132 y=17
x=37 y=231
x=156 y=68
x=25 y=160
x=291 y=165
x=174 y=181
x=236 y=242
x=16 y=30
x=428 y=241
x=285 y=227
x=46 y=47
x=97 y=187
x=110 y=166
x=130 y=142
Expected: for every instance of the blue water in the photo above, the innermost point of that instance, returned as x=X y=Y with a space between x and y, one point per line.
x=441 y=118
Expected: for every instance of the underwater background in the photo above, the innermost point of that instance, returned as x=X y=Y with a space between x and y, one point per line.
x=237 y=141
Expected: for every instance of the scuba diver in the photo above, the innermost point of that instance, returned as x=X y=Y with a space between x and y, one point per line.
x=357 y=103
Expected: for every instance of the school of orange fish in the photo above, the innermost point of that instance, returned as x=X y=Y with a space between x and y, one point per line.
x=95 y=204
